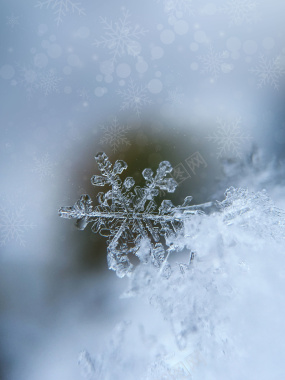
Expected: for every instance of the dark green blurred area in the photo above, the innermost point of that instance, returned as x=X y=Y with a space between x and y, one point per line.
x=150 y=143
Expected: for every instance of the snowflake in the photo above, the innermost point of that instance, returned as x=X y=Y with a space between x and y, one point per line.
x=61 y=7
x=175 y=97
x=13 y=223
x=34 y=79
x=121 y=37
x=12 y=21
x=130 y=219
x=43 y=167
x=240 y=11
x=229 y=138
x=49 y=82
x=178 y=7
x=134 y=97
x=269 y=71
x=115 y=135
x=214 y=63
x=29 y=78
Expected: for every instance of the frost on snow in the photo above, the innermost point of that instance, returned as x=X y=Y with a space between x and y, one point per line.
x=130 y=218
x=204 y=302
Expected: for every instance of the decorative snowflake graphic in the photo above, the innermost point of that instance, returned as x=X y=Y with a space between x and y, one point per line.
x=115 y=135
x=29 y=78
x=43 y=167
x=12 y=21
x=230 y=138
x=134 y=97
x=49 y=82
x=269 y=71
x=121 y=37
x=178 y=7
x=34 y=79
x=240 y=11
x=130 y=218
x=175 y=97
x=214 y=62
x=13 y=224
x=61 y=7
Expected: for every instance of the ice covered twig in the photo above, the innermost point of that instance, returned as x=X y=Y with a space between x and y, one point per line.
x=129 y=217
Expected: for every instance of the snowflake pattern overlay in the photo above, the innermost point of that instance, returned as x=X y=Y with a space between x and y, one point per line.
x=175 y=98
x=121 y=37
x=43 y=167
x=130 y=219
x=61 y=7
x=34 y=79
x=240 y=11
x=49 y=82
x=12 y=21
x=114 y=135
x=269 y=71
x=13 y=224
x=214 y=63
x=178 y=7
x=229 y=138
x=134 y=97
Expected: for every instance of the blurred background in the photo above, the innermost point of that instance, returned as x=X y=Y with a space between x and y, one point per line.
x=198 y=83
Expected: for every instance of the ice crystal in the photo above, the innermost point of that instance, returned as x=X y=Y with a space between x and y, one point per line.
x=134 y=97
x=114 y=135
x=240 y=11
x=121 y=37
x=61 y=7
x=269 y=71
x=230 y=138
x=130 y=218
x=191 y=298
x=201 y=302
x=253 y=212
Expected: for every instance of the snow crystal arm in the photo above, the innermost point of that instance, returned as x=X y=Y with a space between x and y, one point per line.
x=159 y=181
x=110 y=177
